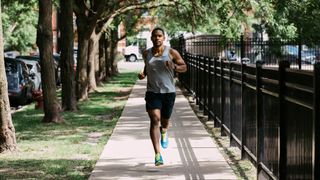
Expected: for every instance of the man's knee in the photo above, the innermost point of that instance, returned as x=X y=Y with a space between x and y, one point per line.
x=164 y=122
x=154 y=117
x=155 y=123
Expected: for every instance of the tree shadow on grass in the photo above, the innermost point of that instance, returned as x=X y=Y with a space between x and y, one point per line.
x=105 y=103
x=46 y=169
x=34 y=137
x=28 y=125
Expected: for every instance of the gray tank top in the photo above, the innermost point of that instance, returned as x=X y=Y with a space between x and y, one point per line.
x=160 y=78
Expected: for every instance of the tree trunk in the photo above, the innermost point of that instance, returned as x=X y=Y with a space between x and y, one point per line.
x=114 y=63
x=97 y=62
x=108 y=58
x=101 y=74
x=82 y=61
x=93 y=58
x=7 y=131
x=86 y=23
x=69 y=101
x=44 y=41
x=114 y=42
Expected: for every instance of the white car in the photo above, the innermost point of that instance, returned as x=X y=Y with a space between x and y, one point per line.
x=11 y=54
x=132 y=53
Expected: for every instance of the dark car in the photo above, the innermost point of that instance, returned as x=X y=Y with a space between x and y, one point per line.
x=232 y=56
x=57 y=61
x=20 y=86
x=56 y=58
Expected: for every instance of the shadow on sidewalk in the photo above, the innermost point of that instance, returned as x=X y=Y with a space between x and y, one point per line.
x=191 y=154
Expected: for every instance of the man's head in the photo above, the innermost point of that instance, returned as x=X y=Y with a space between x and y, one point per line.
x=157 y=36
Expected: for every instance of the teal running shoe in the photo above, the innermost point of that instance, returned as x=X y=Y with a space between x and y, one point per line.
x=158 y=160
x=164 y=140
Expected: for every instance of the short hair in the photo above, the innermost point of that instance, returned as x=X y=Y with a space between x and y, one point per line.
x=157 y=29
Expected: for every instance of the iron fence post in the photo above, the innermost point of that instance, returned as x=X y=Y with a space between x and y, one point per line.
x=242 y=47
x=230 y=101
x=215 y=103
x=191 y=60
x=222 y=96
x=187 y=74
x=243 y=128
x=194 y=71
x=209 y=89
x=316 y=123
x=197 y=79
x=299 y=53
x=282 y=123
x=259 y=125
x=206 y=86
x=201 y=84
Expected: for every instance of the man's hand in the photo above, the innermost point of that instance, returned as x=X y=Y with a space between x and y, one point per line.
x=141 y=75
x=179 y=64
x=170 y=65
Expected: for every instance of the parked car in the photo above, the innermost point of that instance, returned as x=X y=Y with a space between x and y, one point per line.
x=57 y=61
x=232 y=56
x=20 y=87
x=56 y=58
x=34 y=72
x=132 y=53
x=33 y=58
x=256 y=53
x=290 y=52
x=11 y=54
x=315 y=51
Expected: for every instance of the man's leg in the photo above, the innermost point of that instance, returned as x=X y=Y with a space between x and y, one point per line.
x=167 y=107
x=153 y=106
x=164 y=134
x=154 y=115
x=164 y=124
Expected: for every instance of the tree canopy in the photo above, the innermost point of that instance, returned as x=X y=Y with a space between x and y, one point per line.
x=231 y=18
x=19 y=24
x=224 y=17
x=298 y=18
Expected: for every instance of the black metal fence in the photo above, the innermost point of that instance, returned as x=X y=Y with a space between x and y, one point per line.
x=300 y=54
x=271 y=113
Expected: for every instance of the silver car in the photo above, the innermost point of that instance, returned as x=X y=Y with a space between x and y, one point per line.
x=34 y=72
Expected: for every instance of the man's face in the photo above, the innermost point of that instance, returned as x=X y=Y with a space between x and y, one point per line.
x=157 y=38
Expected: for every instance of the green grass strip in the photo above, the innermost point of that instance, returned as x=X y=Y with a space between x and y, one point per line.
x=69 y=150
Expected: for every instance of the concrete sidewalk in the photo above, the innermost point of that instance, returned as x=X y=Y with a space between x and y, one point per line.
x=191 y=154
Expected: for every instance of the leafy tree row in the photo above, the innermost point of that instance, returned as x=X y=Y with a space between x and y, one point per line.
x=96 y=21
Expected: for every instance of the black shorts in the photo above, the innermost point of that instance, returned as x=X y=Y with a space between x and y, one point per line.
x=162 y=101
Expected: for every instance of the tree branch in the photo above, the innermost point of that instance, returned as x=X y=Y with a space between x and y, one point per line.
x=78 y=7
x=108 y=20
x=12 y=27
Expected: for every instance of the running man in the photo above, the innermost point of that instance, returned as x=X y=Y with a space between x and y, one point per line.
x=161 y=62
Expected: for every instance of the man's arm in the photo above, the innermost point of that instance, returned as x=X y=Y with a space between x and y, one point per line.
x=179 y=64
x=143 y=72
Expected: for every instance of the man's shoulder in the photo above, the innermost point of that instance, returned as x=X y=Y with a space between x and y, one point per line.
x=172 y=50
x=145 y=52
